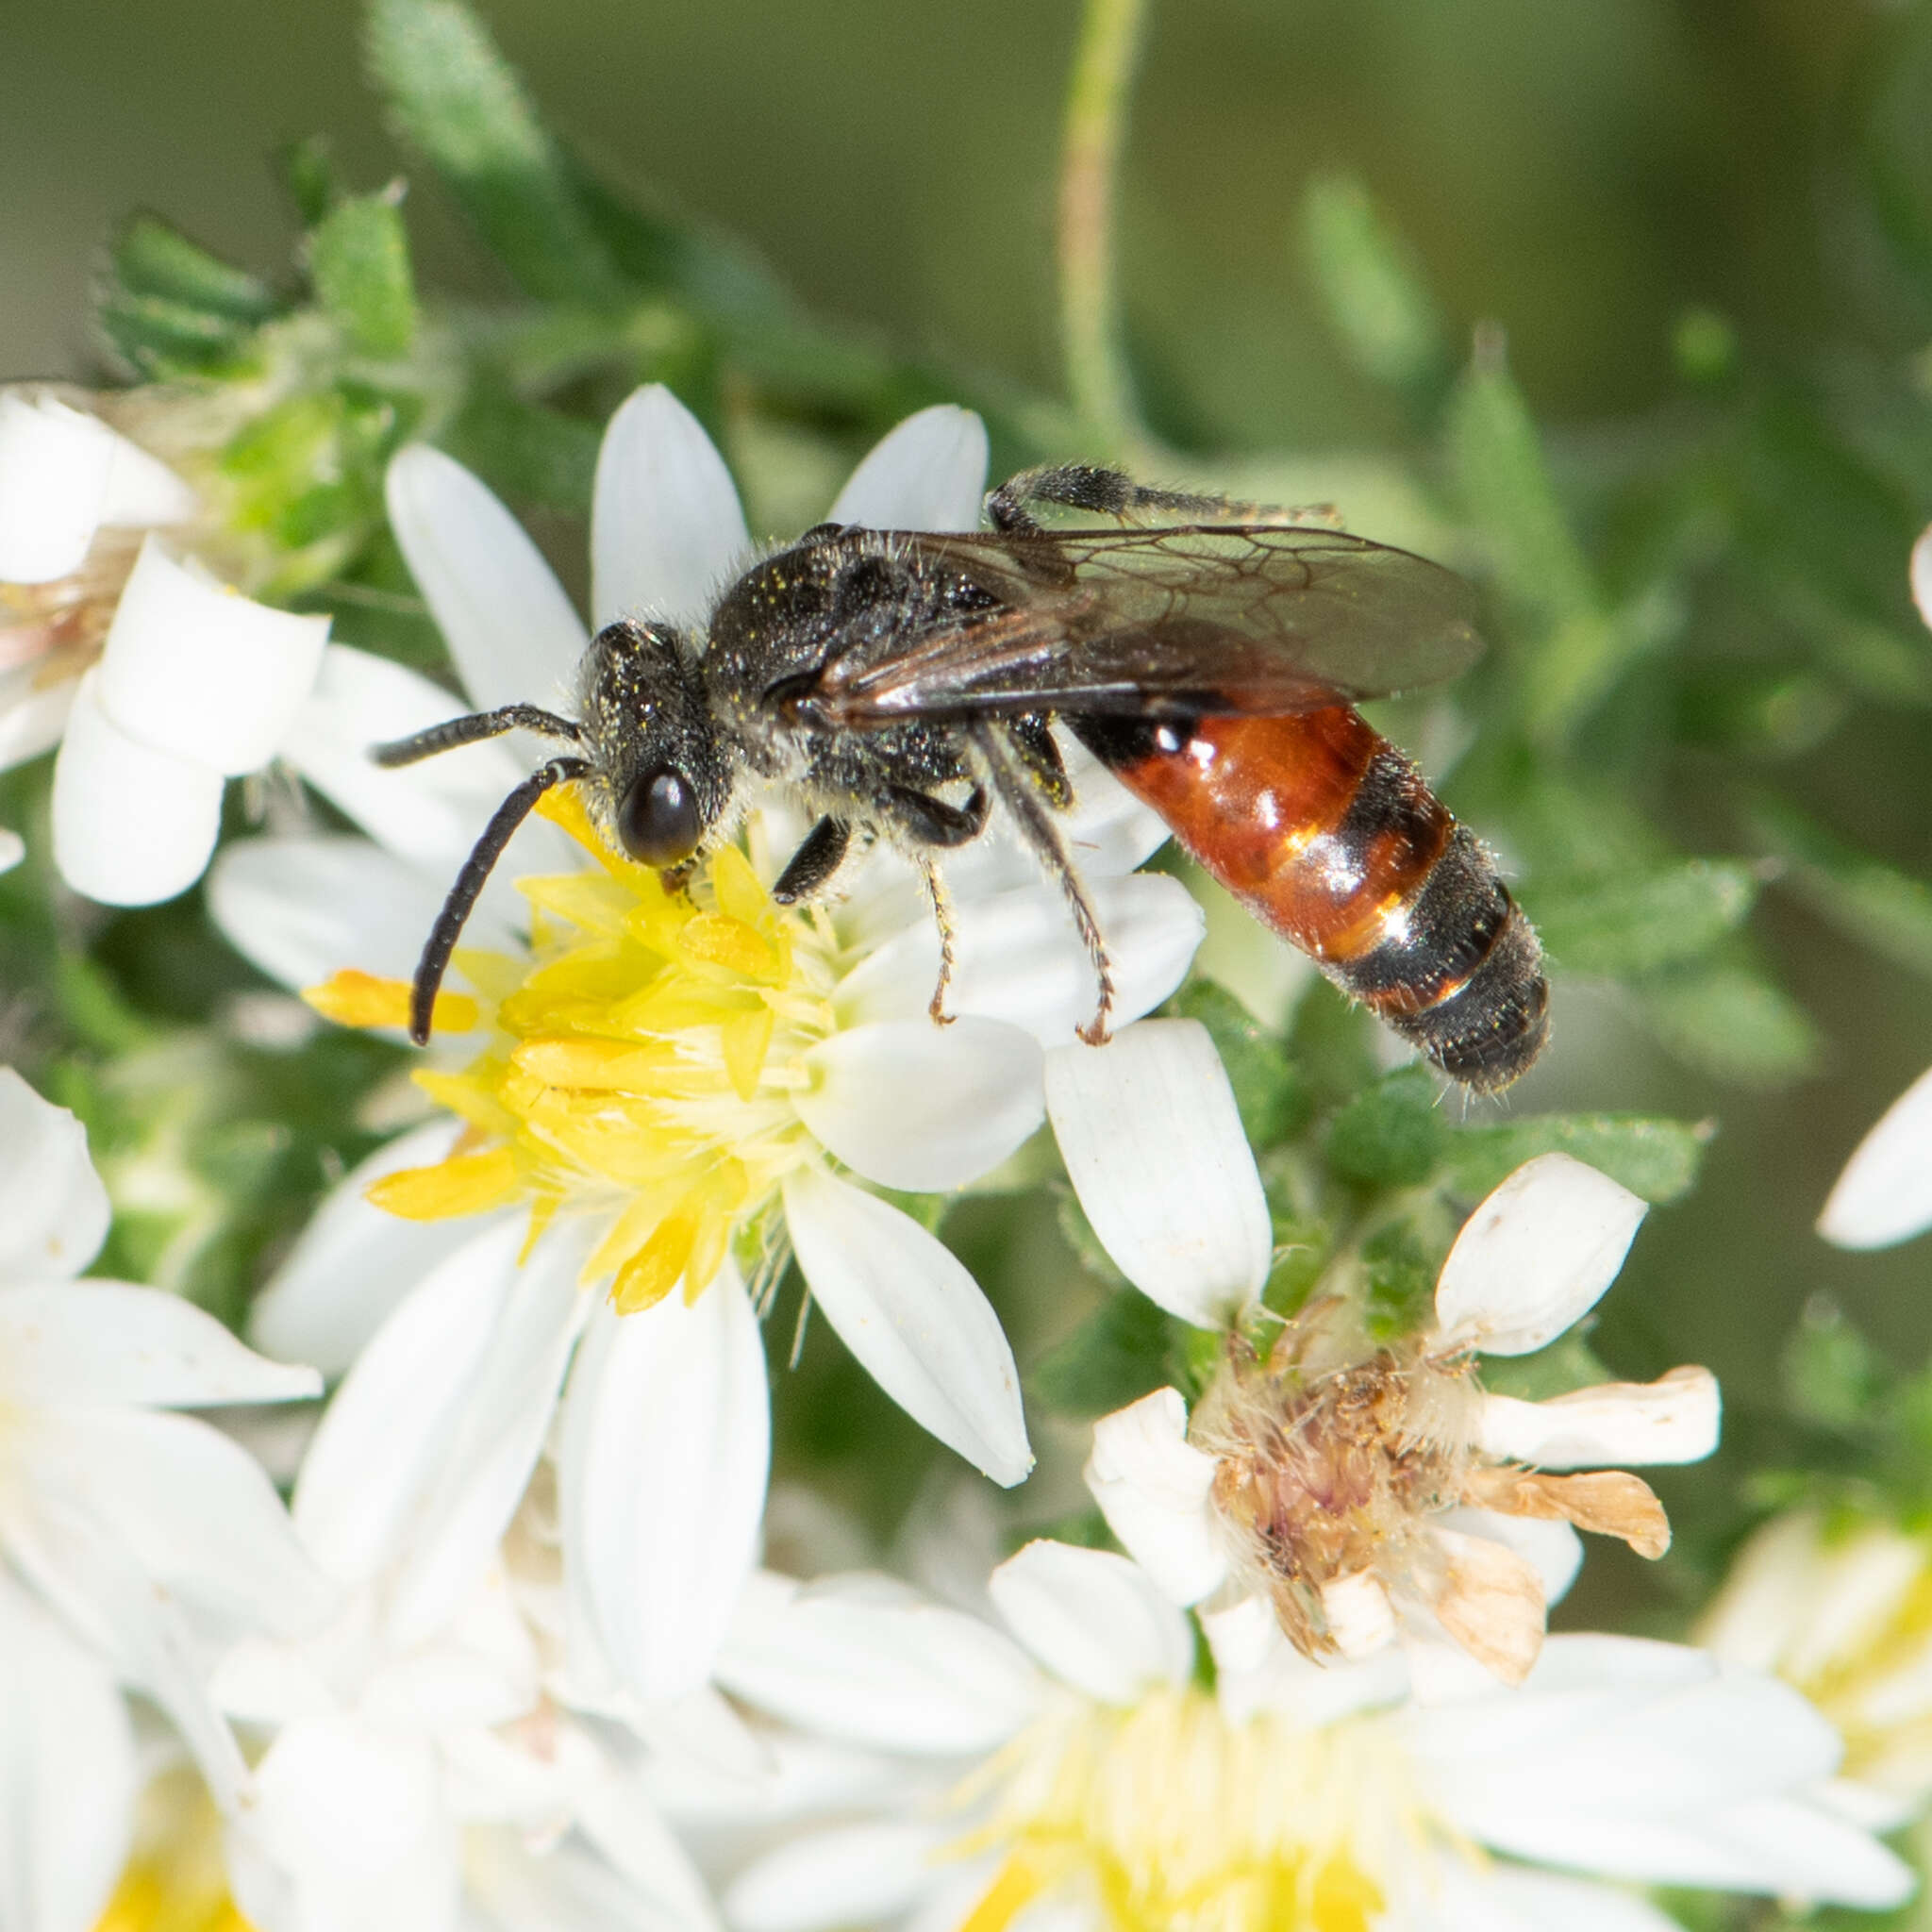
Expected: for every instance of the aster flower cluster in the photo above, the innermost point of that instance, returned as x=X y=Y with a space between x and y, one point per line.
x=720 y=1438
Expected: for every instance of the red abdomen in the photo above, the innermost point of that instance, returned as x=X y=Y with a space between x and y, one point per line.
x=1328 y=835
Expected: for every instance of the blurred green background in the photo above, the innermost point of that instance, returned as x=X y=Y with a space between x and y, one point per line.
x=1580 y=176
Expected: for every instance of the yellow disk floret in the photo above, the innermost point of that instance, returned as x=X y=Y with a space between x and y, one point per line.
x=642 y=1065
x=1165 y=1817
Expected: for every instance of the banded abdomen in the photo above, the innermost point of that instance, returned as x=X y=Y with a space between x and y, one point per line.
x=1328 y=835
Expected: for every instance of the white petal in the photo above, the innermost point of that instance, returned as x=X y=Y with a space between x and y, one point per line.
x=1615 y=1424
x=54 y=1210
x=81 y=1563
x=1764 y=1607
x=99 y=1342
x=132 y=826
x=32 y=714
x=1095 y=1620
x=1885 y=1193
x=67 y=1772
x=1153 y=1144
x=1018 y=959
x=928 y=474
x=430 y=812
x=387 y=1429
x=353 y=1263
x=301 y=908
x=143 y=493
x=54 y=465
x=491 y=1439
x=347 y=1830
x=871 y=1662
x=618 y=1817
x=666 y=530
x=921 y=1107
x=1553 y=1549
x=193 y=1509
x=509 y=626
x=12 y=848
x=665 y=1452
x=67 y=1769
x=1360 y=1617
x=1154 y=1488
x=1466 y=1897
x=852 y=1875
x=1922 y=576
x=196 y=670
x=916 y=1320
x=1535 y=1257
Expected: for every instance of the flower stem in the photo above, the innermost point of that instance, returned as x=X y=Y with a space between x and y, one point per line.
x=1097 y=380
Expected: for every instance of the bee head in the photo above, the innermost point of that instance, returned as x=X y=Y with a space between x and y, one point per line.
x=663 y=779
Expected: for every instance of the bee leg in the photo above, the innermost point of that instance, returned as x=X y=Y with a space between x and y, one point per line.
x=809 y=870
x=1032 y=740
x=943 y=916
x=1033 y=821
x=1112 y=493
x=1100 y=492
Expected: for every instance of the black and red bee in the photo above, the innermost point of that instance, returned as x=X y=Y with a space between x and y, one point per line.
x=1211 y=662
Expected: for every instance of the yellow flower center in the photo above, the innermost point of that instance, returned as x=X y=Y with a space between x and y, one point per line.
x=1167 y=1817
x=174 y=1881
x=642 y=1064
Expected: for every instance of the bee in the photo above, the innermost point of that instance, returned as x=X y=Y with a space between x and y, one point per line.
x=1209 y=654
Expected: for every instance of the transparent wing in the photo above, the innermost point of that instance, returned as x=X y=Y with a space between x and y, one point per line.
x=1194 y=621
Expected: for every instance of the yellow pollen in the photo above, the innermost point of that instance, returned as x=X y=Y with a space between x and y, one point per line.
x=174 y=1881
x=361 y=999
x=642 y=1062
x=1167 y=1817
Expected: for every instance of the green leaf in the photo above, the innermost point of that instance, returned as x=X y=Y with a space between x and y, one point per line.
x=1272 y=1099
x=1636 y=922
x=526 y=452
x=1750 y=708
x=460 y=103
x=1863 y=897
x=1401 y=1276
x=1653 y=1156
x=309 y=174
x=153 y=261
x=1119 y=1353
x=1497 y=458
x=1372 y=288
x=1393 y=1134
x=358 y=261
x=1329 y=1044
x=1731 y=1022
x=1833 y=1376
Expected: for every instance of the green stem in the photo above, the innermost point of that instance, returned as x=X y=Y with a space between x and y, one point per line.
x=1097 y=380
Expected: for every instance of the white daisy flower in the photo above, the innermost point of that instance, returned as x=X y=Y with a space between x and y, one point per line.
x=158 y=682
x=1365 y=1490
x=1838 y=1608
x=678 y=1074
x=1884 y=1196
x=1070 y=1771
x=418 y=1773
x=133 y=1542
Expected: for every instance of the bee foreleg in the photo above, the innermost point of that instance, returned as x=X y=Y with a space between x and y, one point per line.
x=923 y=820
x=942 y=918
x=1033 y=821
x=809 y=870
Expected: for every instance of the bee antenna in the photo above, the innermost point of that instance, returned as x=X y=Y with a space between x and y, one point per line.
x=470 y=881
x=478 y=725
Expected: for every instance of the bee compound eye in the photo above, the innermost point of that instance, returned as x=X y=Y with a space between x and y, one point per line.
x=658 y=818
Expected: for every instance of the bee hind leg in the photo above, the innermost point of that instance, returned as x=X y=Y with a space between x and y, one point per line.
x=1020 y=793
x=942 y=918
x=1106 y=492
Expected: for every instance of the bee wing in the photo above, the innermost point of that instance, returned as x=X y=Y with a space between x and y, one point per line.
x=1256 y=619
